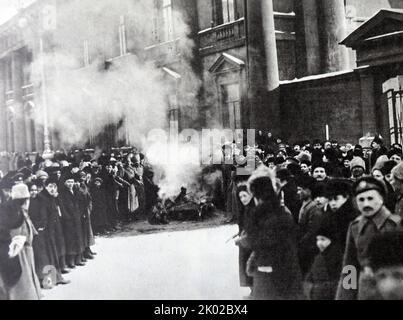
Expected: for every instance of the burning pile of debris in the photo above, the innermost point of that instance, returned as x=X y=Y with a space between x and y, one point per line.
x=184 y=207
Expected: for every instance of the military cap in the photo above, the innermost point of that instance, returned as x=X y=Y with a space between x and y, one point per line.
x=369 y=183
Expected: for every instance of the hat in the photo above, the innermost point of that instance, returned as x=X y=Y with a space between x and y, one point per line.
x=387 y=167
x=397 y=171
x=41 y=174
x=306 y=182
x=395 y=152
x=26 y=172
x=319 y=190
x=327 y=229
x=19 y=177
x=87 y=170
x=292 y=159
x=279 y=160
x=378 y=140
x=20 y=191
x=304 y=156
x=283 y=174
x=380 y=161
x=338 y=187
x=64 y=163
x=68 y=176
x=369 y=183
x=52 y=180
x=308 y=163
x=99 y=180
x=357 y=162
x=317 y=141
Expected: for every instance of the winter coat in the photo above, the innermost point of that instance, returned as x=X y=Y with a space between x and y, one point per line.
x=85 y=205
x=323 y=277
x=10 y=218
x=244 y=246
x=40 y=244
x=360 y=234
x=309 y=222
x=49 y=209
x=340 y=220
x=273 y=237
x=291 y=199
x=26 y=285
x=71 y=222
x=99 y=216
x=111 y=190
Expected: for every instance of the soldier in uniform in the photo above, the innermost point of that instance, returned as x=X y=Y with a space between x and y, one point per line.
x=374 y=219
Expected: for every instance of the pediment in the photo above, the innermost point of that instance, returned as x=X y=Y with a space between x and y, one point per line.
x=385 y=23
x=226 y=62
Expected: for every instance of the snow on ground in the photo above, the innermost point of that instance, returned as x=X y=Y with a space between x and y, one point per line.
x=185 y=265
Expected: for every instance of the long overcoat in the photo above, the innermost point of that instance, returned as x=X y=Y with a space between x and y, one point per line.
x=85 y=205
x=273 y=238
x=71 y=222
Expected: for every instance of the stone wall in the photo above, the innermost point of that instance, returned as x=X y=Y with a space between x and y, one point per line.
x=309 y=104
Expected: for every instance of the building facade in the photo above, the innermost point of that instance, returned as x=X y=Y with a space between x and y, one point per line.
x=277 y=65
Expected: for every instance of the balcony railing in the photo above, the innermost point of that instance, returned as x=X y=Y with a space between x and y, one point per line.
x=227 y=35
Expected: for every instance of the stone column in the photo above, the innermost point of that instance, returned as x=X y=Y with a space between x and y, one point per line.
x=263 y=74
x=311 y=32
x=333 y=29
x=3 y=109
x=19 y=121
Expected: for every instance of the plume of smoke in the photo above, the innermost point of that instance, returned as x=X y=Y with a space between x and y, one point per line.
x=83 y=99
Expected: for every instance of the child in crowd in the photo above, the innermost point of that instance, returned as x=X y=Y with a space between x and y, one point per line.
x=322 y=280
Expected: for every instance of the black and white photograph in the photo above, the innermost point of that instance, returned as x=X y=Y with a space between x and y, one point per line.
x=214 y=151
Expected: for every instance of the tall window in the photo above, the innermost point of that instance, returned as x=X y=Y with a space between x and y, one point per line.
x=167 y=20
x=231 y=106
x=224 y=11
x=122 y=36
x=9 y=75
x=86 y=53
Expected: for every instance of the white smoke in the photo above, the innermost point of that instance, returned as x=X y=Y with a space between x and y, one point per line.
x=82 y=101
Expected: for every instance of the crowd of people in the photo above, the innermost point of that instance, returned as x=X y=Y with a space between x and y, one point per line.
x=50 y=211
x=322 y=221
x=308 y=214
